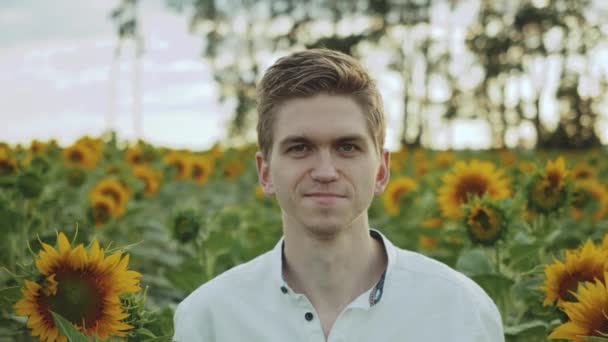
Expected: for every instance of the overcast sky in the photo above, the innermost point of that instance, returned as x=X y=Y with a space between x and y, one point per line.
x=55 y=62
x=55 y=67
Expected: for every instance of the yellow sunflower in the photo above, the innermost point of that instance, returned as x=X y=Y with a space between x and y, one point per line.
x=548 y=190
x=84 y=288
x=103 y=208
x=134 y=156
x=37 y=147
x=584 y=171
x=527 y=167
x=485 y=223
x=398 y=160
x=588 y=315
x=81 y=156
x=233 y=169
x=93 y=144
x=444 y=158
x=590 y=192
x=201 y=168
x=150 y=178
x=467 y=180
x=181 y=161
x=8 y=165
x=114 y=190
x=584 y=264
x=395 y=190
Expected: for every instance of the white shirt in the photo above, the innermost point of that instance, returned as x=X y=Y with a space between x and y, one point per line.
x=416 y=299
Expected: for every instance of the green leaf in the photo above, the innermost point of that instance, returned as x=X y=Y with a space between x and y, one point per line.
x=525 y=328
x=9 y=296
x=68 y=330
x=474 y=262
x=596 y=339
x=496 y=285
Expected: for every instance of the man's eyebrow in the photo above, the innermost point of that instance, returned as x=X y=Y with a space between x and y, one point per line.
x=294 y=139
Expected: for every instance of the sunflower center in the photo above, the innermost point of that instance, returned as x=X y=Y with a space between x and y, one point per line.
x=583 y=174
x=483 y=220
x=76 y=156
x=101 y=212
x=471 y=185
x=398 y=193
x=554 y=178
x=78 y=298
x=198 y=171
x=180 y=167
x=113 y=194
x=570 y=284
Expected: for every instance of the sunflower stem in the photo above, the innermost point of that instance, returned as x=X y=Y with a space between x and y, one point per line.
x=497 y=250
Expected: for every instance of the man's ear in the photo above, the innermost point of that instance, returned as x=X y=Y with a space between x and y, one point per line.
x=383 y=175
x=263 y=168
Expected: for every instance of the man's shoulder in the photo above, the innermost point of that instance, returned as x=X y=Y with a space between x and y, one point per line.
x=431 y=272
x=240 y=278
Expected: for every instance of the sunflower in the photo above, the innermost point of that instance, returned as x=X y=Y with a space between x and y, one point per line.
x=201 y=168
x=150 y=178
x=508 y=157
x=8 y=165
x=103 y=208
x=584 y=171
x=37 y=147
x=94 y=145
x=587 y=315
x=80 y=155
x=527 y=167
x=134 y=156
x=181 y=161
x=584 y=264
x=586 y=192
x=84 y=288
x=476 y=178
x=396 y=190
x=114 y=190
x=549 y=189
x=421 y=167
x=444 y=158
x=398 y=159
x=485 y=223
x=233 y=169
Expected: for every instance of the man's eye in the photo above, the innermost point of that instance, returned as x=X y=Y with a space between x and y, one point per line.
x=348 y=147
x=298 y=148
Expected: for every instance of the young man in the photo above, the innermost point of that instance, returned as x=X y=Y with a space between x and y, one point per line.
x=331 y=278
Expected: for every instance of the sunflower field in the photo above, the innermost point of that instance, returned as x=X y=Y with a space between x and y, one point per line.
x=102 y=239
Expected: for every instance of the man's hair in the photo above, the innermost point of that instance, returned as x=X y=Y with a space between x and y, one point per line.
x=312 y=72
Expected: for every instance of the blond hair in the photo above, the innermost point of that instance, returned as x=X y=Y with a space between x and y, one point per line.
x=312 y=72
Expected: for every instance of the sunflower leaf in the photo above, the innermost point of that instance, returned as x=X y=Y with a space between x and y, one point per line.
x=68 y=330
x=596 y=339
x=9 y=295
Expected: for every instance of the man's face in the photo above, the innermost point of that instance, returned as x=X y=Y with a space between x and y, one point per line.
x=324 y=168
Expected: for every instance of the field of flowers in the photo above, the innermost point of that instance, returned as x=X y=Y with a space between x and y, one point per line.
x=102 y=239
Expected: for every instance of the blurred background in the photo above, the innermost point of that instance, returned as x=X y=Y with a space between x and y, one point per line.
x=182 y=73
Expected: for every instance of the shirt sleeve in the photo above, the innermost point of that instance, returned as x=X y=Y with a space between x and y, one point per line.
x=491 y=327
x=191 y=324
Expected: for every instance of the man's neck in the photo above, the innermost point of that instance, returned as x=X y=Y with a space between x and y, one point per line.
x=333 y=270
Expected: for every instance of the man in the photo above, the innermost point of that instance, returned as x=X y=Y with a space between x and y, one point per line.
x=331 y=278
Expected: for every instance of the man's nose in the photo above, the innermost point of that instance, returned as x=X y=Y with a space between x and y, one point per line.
x=324 y=169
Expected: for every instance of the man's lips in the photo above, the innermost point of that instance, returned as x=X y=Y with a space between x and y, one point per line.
x=323 y=194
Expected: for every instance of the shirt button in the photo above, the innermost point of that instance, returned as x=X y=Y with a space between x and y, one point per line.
x=284 y=289
x=308 y=316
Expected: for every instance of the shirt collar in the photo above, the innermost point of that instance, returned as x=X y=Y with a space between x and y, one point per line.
x=373 y=297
